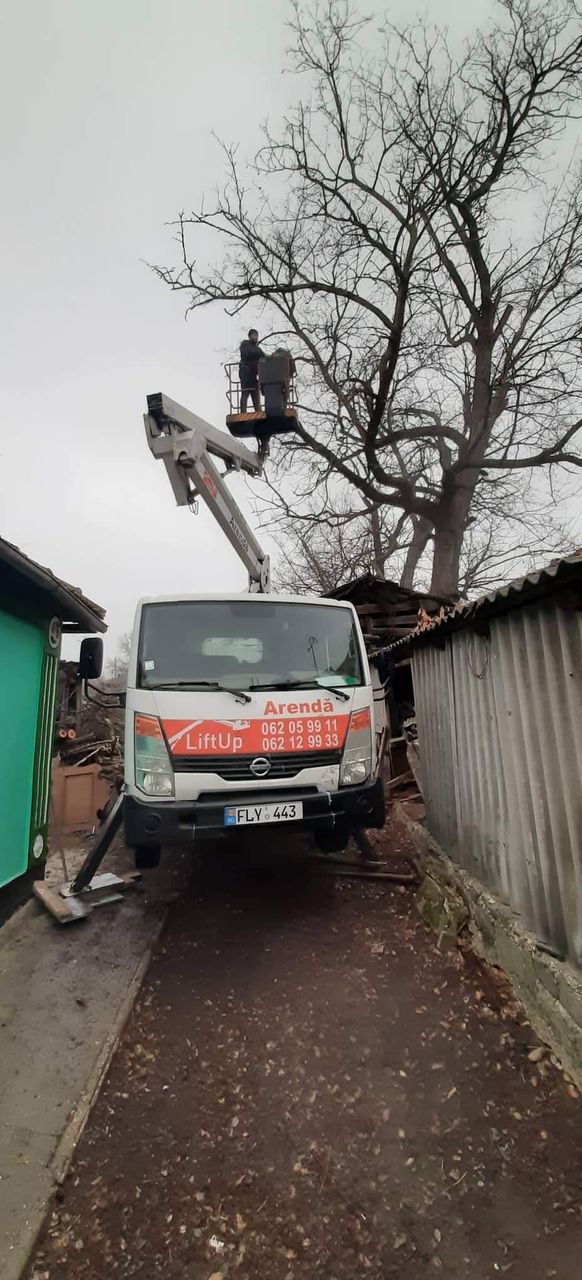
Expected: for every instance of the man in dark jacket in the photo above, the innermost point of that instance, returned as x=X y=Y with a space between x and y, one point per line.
x=250 y=354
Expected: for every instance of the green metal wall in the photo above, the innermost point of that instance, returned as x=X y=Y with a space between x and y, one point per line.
x=29 y=653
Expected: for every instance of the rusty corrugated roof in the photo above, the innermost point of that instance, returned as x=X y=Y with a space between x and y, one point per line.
x=530 y=587
x=75 y=607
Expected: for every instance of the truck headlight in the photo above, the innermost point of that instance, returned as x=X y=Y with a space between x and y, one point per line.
x=354 y=771
x=153 y=768
x=157 y=784
x=356 y=763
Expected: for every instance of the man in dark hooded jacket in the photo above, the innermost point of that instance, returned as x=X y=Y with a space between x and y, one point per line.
x=250 y=354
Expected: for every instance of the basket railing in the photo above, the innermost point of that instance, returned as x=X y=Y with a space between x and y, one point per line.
x=234 y=390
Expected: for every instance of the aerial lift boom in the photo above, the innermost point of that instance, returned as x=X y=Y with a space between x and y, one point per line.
x=188 y=446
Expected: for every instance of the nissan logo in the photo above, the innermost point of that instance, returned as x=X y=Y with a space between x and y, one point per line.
x=260 y=766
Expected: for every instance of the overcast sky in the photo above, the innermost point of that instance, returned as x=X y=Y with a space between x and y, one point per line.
x=107 y=108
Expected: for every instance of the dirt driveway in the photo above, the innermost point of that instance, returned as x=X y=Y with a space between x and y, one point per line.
x=310 y=1088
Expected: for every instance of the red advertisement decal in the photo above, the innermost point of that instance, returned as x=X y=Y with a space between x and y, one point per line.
x=256 y=737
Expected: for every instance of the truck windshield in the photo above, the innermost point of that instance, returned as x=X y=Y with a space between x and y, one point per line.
x=243 y=644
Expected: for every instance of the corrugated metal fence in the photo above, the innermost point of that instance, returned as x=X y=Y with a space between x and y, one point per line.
x=500 y=732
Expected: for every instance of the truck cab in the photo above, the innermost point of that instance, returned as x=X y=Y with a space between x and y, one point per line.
x=249 y=710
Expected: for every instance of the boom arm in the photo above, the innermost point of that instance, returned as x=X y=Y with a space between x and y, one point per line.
x=187 y=446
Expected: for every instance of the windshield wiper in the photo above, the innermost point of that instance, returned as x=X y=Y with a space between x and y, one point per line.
x=239 y=694
x=302 y=684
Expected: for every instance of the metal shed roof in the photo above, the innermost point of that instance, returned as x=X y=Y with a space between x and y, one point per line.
x=384 y=588
x=69 y=602
x=387 y=611
x=534 y=586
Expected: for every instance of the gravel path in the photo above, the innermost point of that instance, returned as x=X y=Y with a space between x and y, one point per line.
x=309 y=1087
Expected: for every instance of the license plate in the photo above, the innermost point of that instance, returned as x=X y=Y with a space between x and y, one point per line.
x=247 y=815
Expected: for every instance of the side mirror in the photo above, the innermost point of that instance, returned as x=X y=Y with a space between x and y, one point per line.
x=91 y=658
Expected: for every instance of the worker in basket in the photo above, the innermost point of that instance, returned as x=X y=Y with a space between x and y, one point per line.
x=269 y=375
x=248 y=370
x=290 y=371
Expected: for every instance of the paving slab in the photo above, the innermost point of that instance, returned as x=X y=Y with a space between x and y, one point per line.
x=65 y=992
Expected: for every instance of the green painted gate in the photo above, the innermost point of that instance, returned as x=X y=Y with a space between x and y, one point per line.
x=28 y=674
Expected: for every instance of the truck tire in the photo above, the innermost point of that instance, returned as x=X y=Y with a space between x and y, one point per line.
x=147 y=856
x=333 y=841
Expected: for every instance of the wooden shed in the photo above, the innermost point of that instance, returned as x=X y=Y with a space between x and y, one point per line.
x=387 y=611
x=36 y=608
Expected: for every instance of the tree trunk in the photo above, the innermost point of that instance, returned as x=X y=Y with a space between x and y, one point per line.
x=445 y=566
x=449 y=531
x=459 y=485
x=379 y=553
x=422 y=530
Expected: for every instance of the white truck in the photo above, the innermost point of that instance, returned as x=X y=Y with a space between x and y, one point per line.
x=249 y=709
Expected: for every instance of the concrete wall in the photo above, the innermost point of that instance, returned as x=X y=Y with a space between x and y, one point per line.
x=453 y=902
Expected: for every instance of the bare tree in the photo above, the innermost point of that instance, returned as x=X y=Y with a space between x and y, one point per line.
x=421 y=245
x=323 y=552
x=117 y=666
x=506 y=536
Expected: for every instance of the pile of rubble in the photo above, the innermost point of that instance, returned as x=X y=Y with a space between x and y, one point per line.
x=87 y=753
x=87 y=749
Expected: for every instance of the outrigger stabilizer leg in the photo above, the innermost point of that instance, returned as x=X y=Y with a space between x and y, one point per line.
x=75 y=900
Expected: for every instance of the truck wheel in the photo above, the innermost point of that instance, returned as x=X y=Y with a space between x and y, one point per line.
x=365 y=846
x=333 y=841
x=147 y=856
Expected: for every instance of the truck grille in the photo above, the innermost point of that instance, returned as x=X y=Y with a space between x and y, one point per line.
x=237 y=768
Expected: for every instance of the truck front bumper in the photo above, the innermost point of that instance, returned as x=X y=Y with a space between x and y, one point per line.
x=179 y=822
